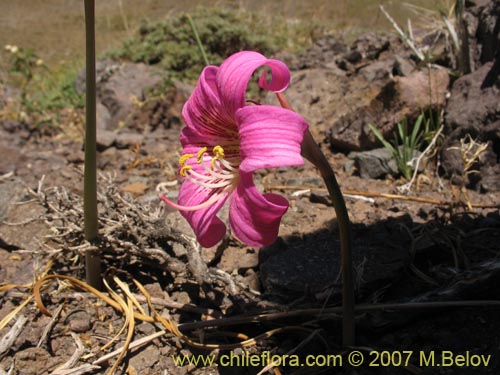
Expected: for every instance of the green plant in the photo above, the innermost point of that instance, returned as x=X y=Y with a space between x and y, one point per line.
x=43 y=93
x=171 y=43
x=405 y=145
x=23 y=65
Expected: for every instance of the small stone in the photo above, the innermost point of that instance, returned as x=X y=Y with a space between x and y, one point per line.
x=144 y=360
x=135 y=188
x=353 y=56
x=376 y=163
x=252 y=280
x=181 y=297
x=125 y=140
x=80 y=325
x=403 y=67
x=321 y=197
x=105 y=139
x=235 y=258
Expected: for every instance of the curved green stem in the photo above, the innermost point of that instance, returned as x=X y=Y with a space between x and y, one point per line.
x=312 y=152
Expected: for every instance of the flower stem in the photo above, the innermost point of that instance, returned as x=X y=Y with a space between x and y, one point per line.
x=92 y=257
x=312 y=152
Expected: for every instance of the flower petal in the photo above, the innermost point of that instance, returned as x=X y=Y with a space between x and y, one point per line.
x=209 y=229
x=207 y=122
x=255 y=217
x=235 y=72
x=269 y=137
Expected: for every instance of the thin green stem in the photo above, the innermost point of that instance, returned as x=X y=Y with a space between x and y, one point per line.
x=312 y=152
x=198 y=40
x=92 y=257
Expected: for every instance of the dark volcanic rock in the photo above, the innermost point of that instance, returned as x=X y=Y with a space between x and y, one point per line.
x=399 y=98
x=488 y=31
x=121 y=86
x=125 y=88
x=324 y=51
x=474 y=109
x=376 y=163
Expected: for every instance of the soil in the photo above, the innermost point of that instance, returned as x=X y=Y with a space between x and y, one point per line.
x=431 y=256
x=422 y=252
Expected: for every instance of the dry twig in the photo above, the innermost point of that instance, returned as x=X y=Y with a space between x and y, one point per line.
x=8 y=340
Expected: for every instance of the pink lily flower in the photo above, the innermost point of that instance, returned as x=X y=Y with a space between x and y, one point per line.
x=225 y=140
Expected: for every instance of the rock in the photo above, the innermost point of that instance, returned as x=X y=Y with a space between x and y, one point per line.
x=371 y=45
x=125 y=140
x=33 y=361
x=11 y=160
x=120 y=86
x=322 y=52
x=342 y=93
x=378 y=70
x=353 y=56
x=399 y=98
x=488 y=31
x=474 y=109
x=135 y=188
x=490 y=176
x=423 y=89
x=125 y=88
x=144 y=360
x=80 y=325
x=164 y=111
x=104 y=70
x=403 y=67
x=322 y=95
x=235 y=258
x=105 y=139
x=376 y=163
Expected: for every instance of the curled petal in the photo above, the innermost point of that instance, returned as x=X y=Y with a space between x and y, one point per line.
x=269 y=137
x=255 y=217
x=207 y=121
x=235 y=72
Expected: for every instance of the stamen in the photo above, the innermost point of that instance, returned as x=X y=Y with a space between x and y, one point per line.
x=184 y=169
x=226 y=164
x=222 y=183
x=212 y=173
x=200 y=206
x=200 y=154
x=218 y=151
x=184 y=158
x=221 y=175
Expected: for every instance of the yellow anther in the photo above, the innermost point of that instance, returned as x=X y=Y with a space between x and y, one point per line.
x=212 y=163
x=218 y=151
x=200 y=154
x=184 y=158
x=183 y=170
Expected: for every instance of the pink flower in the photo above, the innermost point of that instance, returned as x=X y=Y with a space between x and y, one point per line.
x=225 y=141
